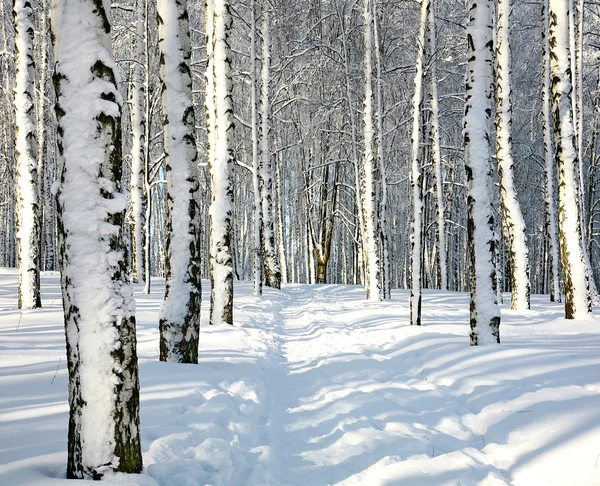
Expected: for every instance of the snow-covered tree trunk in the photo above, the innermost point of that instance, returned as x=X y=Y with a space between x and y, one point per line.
x=98 y=302
x=485 y=314
x=180 y=312
x=369 y=205
x=550 y=170
x=220 y=163
x=514 y=223
x=416 y=254
x=28 y=204
x=280 y=223
x=147 y=125
x=577 y=296
x=257 y=264
x=442 y=258
x=137 y=196
x=384 y=253
x=271 y=261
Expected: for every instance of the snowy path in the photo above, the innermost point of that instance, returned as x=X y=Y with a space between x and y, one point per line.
x=315 y=386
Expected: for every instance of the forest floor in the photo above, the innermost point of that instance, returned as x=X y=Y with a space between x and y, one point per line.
x=315 y=386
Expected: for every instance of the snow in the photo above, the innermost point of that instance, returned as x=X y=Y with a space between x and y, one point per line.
x=314 y=385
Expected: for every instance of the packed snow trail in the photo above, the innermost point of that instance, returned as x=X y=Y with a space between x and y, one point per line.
x=315 y=386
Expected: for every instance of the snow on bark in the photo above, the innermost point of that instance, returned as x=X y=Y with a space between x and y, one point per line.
x=384 y=250
x=485 y=313
x=28 y=204
x=180 y=311
x=98 y=302
x=369 y=206
x=436 y=155
x=271 y=263
x=514 y=223
x=550 y=171
x=220 y=166
x=257 y=269
x=577 y=296
x=416 y=238
x=137 y=196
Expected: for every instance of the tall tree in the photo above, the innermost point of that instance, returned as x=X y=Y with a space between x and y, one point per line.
x=578 y=302
x=514 y=223
x=416 y=237
x=369 y=203
x=485 y=314
x=550 y=170
x=220 y=125
x=98 y=302
x=180 y=313
x=271 y=260
x=28 y=204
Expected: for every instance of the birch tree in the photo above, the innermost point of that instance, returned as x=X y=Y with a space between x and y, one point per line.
x=137 y=196
x=514 y=223
x=98 y=302
x=28 y=204
x=416 y=236
x=220 y=126
x=369 y=204
x=484 y=311
x=577 y=296
x=180 y=312
x=550 y=170
x=271 y=260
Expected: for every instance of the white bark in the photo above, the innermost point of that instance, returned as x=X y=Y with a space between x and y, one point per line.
x=98 y=303
x=28 y=204
x=514 y=223
x=180 y=312
x=220 y=166
x=416 y=254
x=369 y=206
x=485 y=314
x=577 y=295
x=550 y=170
x=436 y=155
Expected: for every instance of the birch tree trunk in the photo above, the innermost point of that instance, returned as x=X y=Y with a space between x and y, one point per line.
x=550 y=170
x=220 y=162
x=384 y=253
x=577 y=296
x=514 y=223
x=485 y=314
x=257 y=263
x=28 y=204
x=369 y=206
x=271 y=262
x=416 y=254
x=137 y=196
x=180 y=312
x=442 y=258
x=98 y=301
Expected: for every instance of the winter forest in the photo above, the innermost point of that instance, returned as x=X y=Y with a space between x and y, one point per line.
x=284 y=243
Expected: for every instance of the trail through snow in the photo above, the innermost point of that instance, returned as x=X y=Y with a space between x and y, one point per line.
x=316 y=386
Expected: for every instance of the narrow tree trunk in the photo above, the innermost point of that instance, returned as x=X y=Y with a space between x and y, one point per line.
x=148 y=123
x=98 y=303
x=550 y=171
x=369 y=205
x=220 y=164
x=280 y=230
x=180 y=312
x=138 y=210
x=442 y=258
x=271 y=263
x=577 y=296
x=28 y=204
x=416 y=254
x=485 y=314
x=514 y=223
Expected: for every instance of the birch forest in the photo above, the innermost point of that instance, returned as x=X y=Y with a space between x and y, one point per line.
x=400 y=145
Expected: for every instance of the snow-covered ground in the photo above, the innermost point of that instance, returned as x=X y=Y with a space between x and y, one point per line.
x=316 y=386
